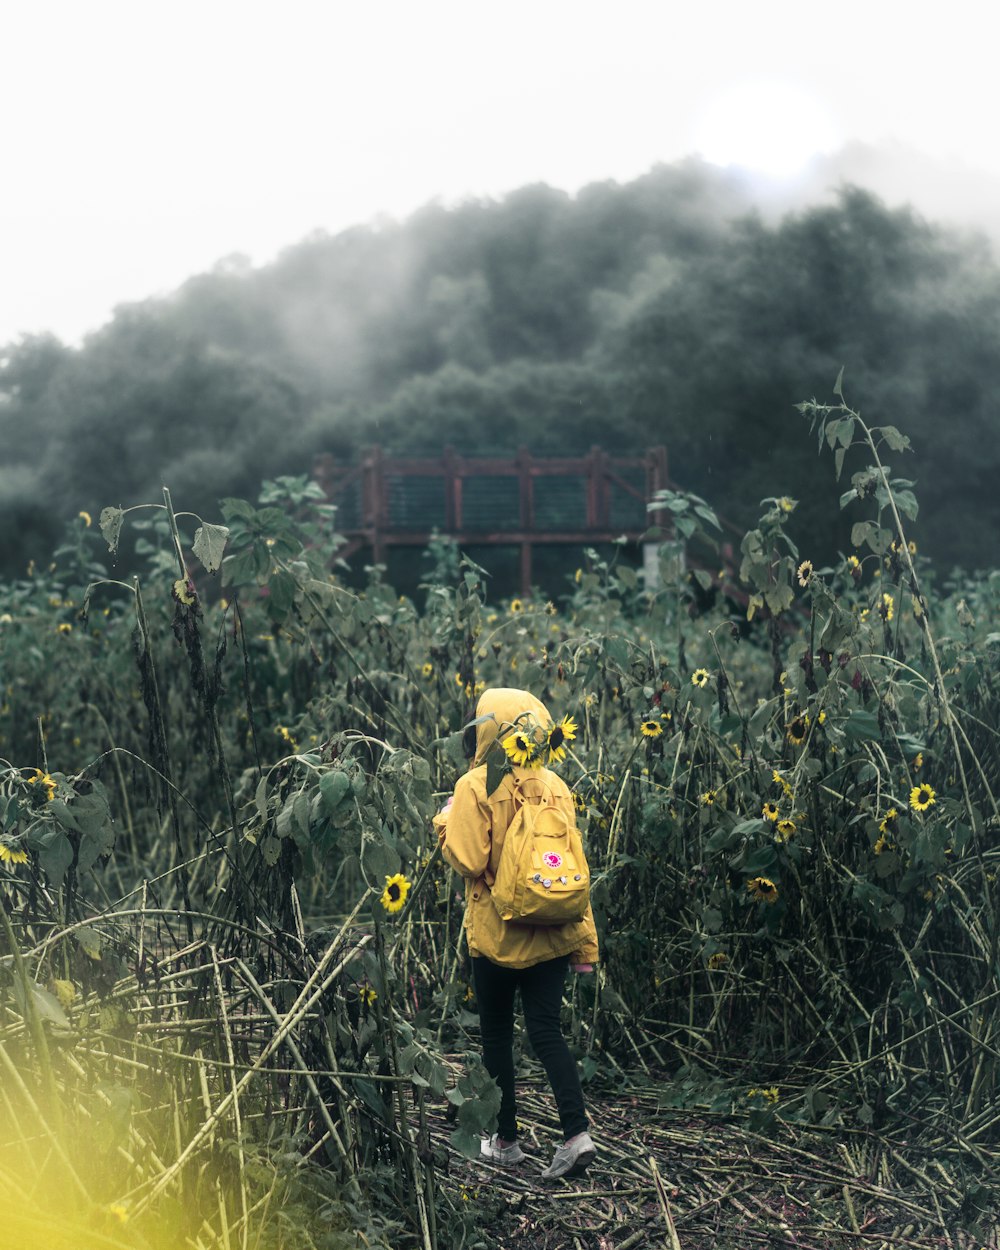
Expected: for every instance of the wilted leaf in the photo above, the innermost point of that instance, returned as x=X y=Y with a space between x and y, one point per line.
x=210 y=544
x=111 y=526
x=65 y=992
x=897 y=441
x=89 y=941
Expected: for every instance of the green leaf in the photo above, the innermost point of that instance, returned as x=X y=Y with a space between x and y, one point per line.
x=63 y=815
x=906 y=502
x=762 y=863
x=838 y=385
x=210 y=544
x=371 y=1098
x=466 y=1141
x=238 y=570
x=860 y=530
x=110 y=522
x=55 y=854
x=838 y=464
x=281 y=597
x=497 y=767
x=862 y=726
x=260 y=798
x=233 y=508
x=334 y=787
x=779 y=598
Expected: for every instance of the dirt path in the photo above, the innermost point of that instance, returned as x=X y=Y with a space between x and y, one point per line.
x=690 y=1181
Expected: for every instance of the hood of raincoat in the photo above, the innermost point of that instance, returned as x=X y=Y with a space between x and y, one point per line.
x=502 y=705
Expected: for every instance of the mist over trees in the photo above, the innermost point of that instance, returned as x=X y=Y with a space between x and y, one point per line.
x=666 y=310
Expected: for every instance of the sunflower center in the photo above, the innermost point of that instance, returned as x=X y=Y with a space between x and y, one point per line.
x=394 y=891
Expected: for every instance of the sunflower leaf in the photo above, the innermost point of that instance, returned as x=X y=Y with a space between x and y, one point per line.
x=862 y=726
x=497 y=767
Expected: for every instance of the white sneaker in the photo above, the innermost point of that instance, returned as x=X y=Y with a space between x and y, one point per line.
x=491 y=1149
x=571 y=1158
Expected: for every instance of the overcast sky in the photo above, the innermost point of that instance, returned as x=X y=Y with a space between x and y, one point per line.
x=143 y=141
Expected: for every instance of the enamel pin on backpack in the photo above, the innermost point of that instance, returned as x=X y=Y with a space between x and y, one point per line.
x=542 y=877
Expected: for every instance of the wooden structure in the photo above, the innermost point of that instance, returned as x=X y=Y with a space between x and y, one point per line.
x=521 y=502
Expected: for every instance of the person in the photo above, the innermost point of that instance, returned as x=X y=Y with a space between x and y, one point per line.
x=507 y=955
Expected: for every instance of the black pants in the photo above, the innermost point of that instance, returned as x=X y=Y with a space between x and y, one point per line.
x=541 y=994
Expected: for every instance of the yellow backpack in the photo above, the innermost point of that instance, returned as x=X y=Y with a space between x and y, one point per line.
x=542 y=876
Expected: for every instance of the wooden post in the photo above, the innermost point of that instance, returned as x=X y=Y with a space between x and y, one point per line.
x=592 y=487
x=380 y=505
x=323 y=472
x=526 y=514
x=656 y=480
x=602 y=488
x=453 y=490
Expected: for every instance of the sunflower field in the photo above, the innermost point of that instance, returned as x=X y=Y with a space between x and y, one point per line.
x=235 y=1009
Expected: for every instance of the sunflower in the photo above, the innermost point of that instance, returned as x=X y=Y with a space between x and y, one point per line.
x=86 y=518
x=786 y=504
x=795 y=730
x=516 y=605
x=65 y=628
x=651 y=729
x=718 y=960
x=708 y=798
x=769 y=1095
x=762 y=890
x=700 y=678
x=888 y=819
x=519 y=749
x=921 y=797
x=805 y=572
x=43 y=779
x=395 y=892
x=785 y=829
x=12 y=854
x=853 y=563
x=886 y=608
x=911 y=547
x=778 y=780
x=769 y=811
x=558 y=736
x=918 y=760
x=367 y=994
x=882 y=843
x=427 y=669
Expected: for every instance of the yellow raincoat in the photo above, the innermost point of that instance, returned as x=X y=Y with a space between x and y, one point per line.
x=472 y=831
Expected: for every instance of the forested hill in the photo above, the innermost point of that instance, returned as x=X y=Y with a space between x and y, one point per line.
x=661 y=311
